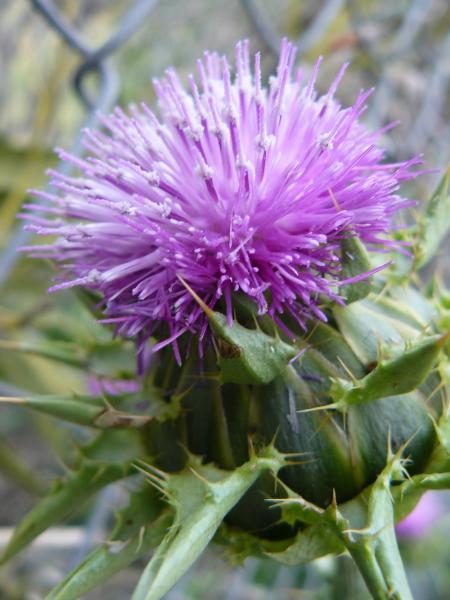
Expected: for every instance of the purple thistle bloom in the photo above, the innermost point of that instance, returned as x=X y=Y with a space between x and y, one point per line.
x=98 y=386
x=237 y=187
x=423 y=517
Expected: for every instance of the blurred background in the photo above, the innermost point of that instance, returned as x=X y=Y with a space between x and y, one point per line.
x=60 y=62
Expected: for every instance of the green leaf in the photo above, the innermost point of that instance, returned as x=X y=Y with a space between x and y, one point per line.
x=369 y=324
x=107 y=459
x=248 y=356
x=374 y=548
x=83 y=410
x=114 y=359
x=394 y=377
x=64 y=352
x=66 y=497
x=355 y=261
x=109 y=359
x=201 y=503
x=115 y=446
x=18 y=472
x=90 y=411
x=311 y=543
x=140 y=527
x=435 y=224
x=364 y=526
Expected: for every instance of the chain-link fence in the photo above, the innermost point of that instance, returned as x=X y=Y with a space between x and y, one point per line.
x=400 y=48
x=84 y=57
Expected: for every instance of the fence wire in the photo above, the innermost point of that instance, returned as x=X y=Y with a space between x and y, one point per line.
x=399 y=42
x=395 y=39
x=93 y=60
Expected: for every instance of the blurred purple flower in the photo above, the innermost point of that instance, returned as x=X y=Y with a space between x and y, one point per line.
x=97 y=386
x=238 y=187
x=423 y=517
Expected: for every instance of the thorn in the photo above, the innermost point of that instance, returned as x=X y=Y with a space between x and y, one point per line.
x=251 y=449
x=389 y=444
x=184 y=393
x=334 y=500
x=298 y=355
x=209 y=313
x=200 y=477
x=337 y=206
x=141 y=538
x=285 y=487
x=152 y=479
x=443 y=339
x=255 y=321
x=13 y=399
x=294 y=463
x=215 y=346
x=311 y=333
x=275 y=435
x=108 y=404
x=384 y=290
x=296 y=453
x=152 y=469
x=333 y=406
x=439 y=387
x=347 y=370
x=99 y=473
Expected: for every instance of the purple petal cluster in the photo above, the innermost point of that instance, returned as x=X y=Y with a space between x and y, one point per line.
x=236 y=187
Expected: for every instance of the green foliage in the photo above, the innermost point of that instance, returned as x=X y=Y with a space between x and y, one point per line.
x=140 y=527
x=90 y=411
x=275 y=473
x=200 y=505
x=434 y=223
x=18 y=471
x=248 y=355
x=354 y=260
x=108 y=458
x=399 y=375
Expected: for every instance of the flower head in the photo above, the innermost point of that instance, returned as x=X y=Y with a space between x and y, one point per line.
x=236 y=187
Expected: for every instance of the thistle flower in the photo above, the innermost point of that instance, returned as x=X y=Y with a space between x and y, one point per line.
x=235 y=188
x=429 y=509
x=98 y=386
x=242 y=190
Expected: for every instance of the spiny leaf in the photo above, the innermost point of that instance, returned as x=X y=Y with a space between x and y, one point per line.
x=73 y=408
x=311 y=543
x=248 y=356
x=440 y=459
x=368 y=324
x=409 y=493
x=399 y=375
x=140 y=527
x=435 y=224
x=66 y=497
x=89 y=411
x=18 y=472
x=105 y=460
x=208 y=502
x=374 y=548
x=111 y=358
x=64 y=352
x=114 y=446
x=368 y=514
x=365 y=527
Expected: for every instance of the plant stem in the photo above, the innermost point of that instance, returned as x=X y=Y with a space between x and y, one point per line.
x=381 y=568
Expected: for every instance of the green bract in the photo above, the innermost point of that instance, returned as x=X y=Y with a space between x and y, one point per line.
x=271 y=447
